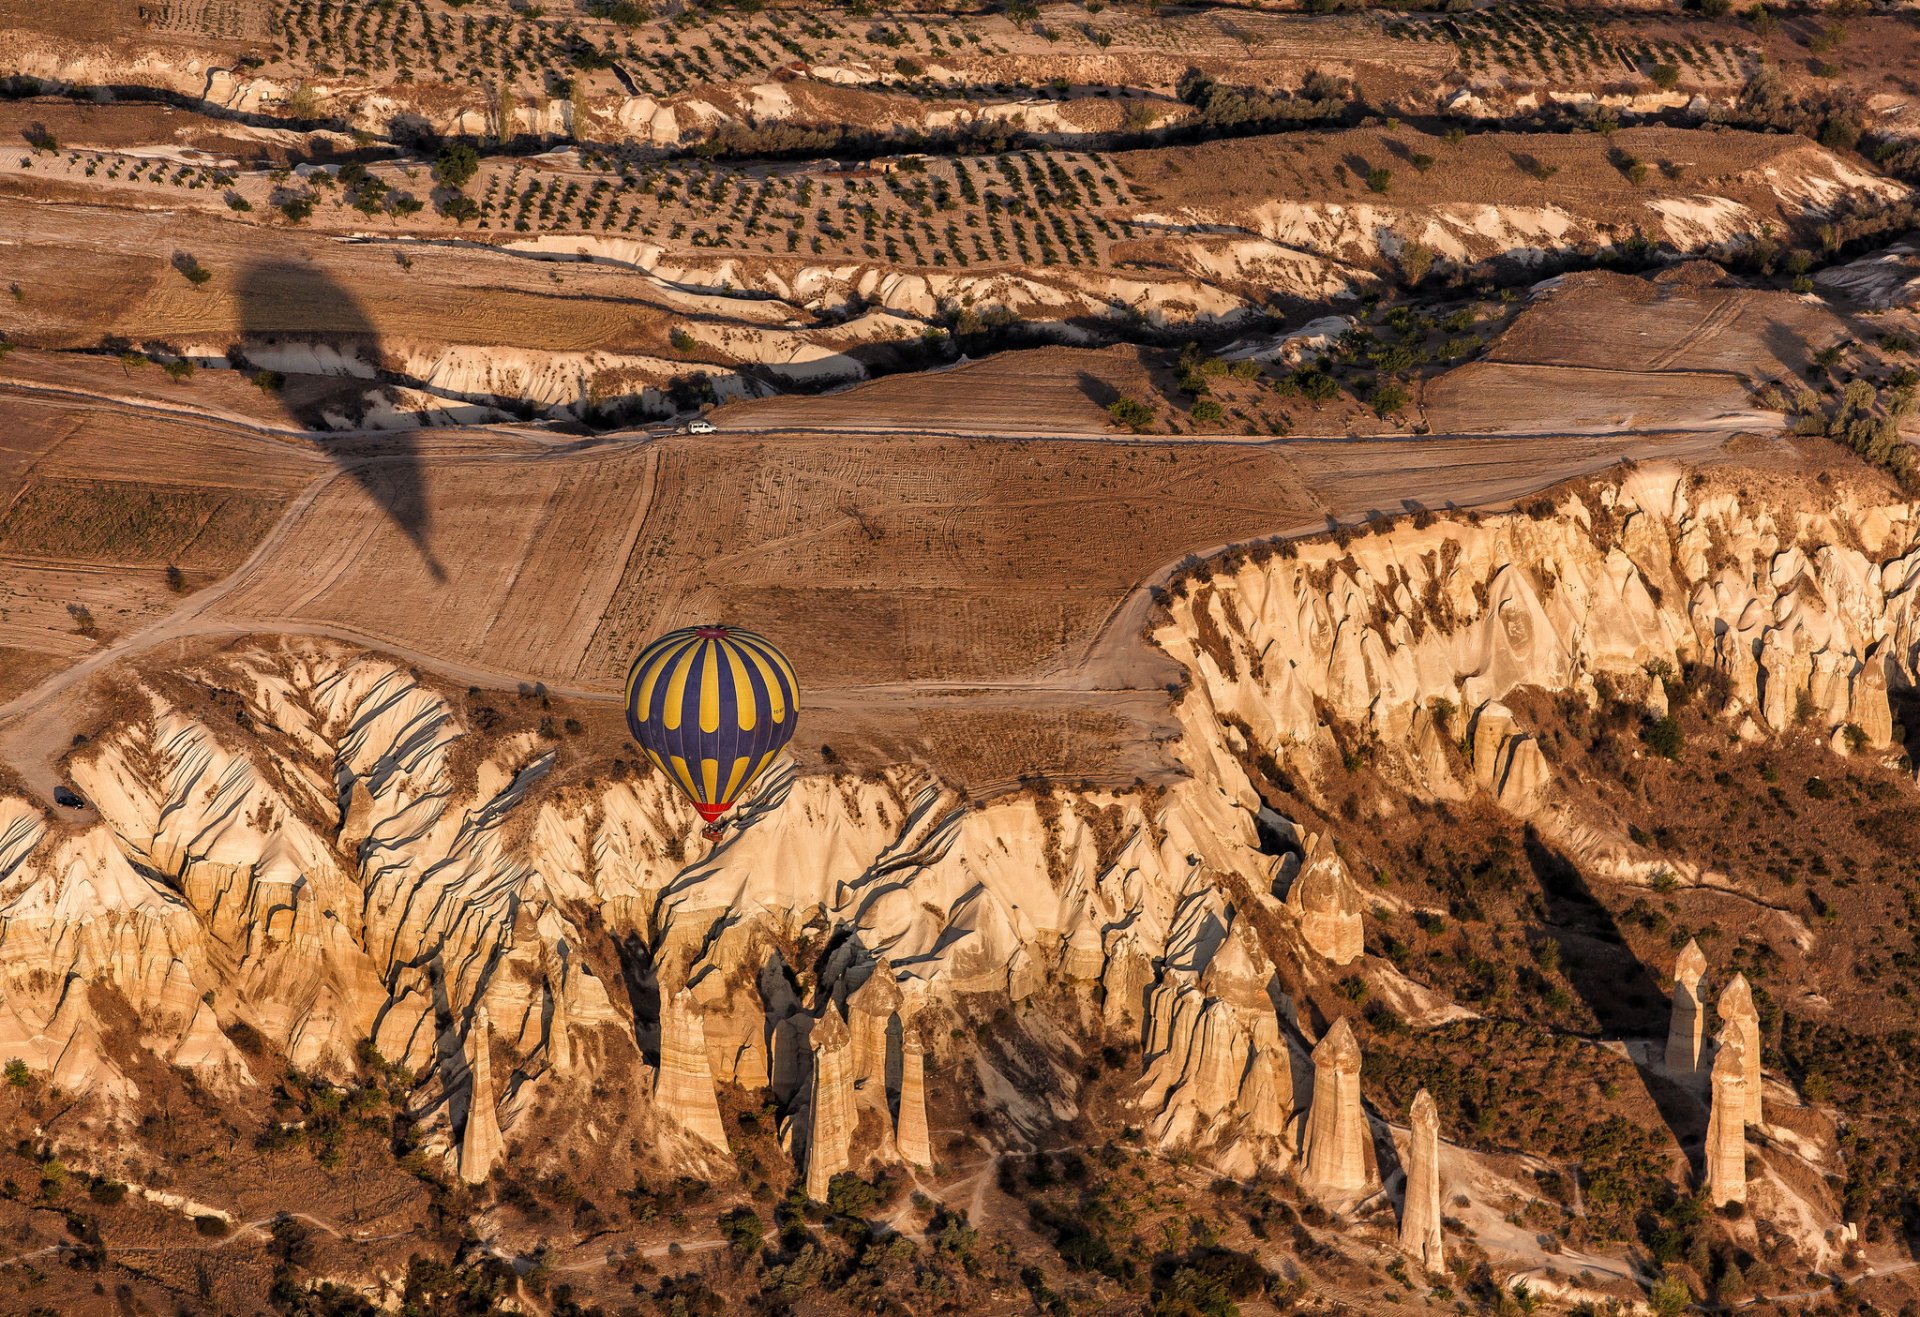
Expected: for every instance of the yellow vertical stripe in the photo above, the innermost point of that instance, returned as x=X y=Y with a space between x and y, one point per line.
x=677 y=683
x=762 y=643
x=710 y=778
x=710 y=688
x=686 y=778
x=733 y=778
x=659 y=664
x=778 y=712
x=747 y=709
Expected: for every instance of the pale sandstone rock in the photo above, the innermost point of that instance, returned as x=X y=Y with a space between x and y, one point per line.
x=1268 y=1091
x=1323 y=899
x=1686 y=1026
x=871 y=1010
x=1123 y=985
x=559 y=1036
x=1431 y=752
x=683 y=1088
x=830 y=1117
x=1492 y=725
x=911 y=1138
x=1336 y=1147
x=481 y=1145
x=1083 y=957
x=1420 y=1217
x=1740 y=1019
x=1524 y=775
x=1726 y=1151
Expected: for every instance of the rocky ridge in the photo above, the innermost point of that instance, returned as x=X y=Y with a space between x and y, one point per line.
x=341 y=861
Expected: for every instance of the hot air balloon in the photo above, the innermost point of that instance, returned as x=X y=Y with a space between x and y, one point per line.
x=711 y=706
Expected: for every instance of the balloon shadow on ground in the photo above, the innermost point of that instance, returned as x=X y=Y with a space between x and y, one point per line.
x=297 y=319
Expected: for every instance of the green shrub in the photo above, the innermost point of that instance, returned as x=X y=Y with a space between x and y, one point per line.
x=1388 y=398
x=1664 y=737
x=456 y=165
x=1132 y=413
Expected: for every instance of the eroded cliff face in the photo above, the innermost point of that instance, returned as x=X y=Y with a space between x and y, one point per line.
x=311 y=844
x=1801 y=598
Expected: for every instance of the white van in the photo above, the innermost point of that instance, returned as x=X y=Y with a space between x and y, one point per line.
x=700 y=426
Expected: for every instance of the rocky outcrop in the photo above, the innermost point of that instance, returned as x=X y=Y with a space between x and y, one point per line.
x=830 y=1113
x=1336 y=1148
x=683 y=1090
x=1327 y=906
x=1124 y=983
x=1218 y=1070
x=1686 y=1026
x=481 y=1146
x=1420 y=1216
x=872 y=1010
x=1740 y=1021
x=911 y=1138
x=1508 y=762
x=1726 y=1150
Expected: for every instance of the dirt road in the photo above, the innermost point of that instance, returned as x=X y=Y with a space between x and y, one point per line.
x=1346 y=480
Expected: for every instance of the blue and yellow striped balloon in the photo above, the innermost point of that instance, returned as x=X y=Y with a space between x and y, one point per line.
x=711 y=706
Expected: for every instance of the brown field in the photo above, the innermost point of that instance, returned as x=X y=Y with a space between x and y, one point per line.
x=70 y=384
x=910 y=560
x=33 y=426
x=99 y=498
x=1482 y=169
x=1045 y=391
x=1486 y=397
x=1669 y=323
x=117 y=521
x=88 y=273
x=36 y=598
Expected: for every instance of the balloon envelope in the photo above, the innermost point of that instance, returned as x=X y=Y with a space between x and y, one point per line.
x=711 y=706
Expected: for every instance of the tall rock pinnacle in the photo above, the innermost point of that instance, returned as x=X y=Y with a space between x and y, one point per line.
x=683 y=1085
x=910 y=1135
x=1738 y=1016
x=1686 y=1028
x=870 y=1011
x=830 y=1124
x=1726 y=1155
x=1420 y=1219
x=1337 y=1144
x=480 y=1143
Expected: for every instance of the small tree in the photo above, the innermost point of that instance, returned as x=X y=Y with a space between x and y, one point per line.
x=462 y=209
x=743 y=1229
x=1379 y=179
x=1416 y=261
x=1388 y=398
x=455 y=166
x=191 y=270
x=1132 y=413
x=176 y=579
x=18 y=1075
x=1664 y=737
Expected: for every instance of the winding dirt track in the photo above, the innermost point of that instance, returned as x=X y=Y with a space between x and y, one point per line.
x=1343 y=480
